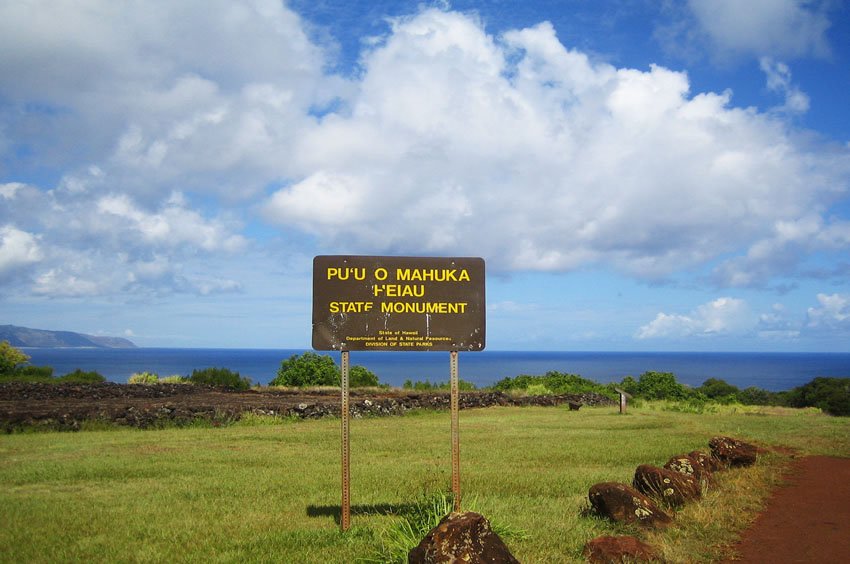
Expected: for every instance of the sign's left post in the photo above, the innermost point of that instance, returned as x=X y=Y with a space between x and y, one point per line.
x=345 y=515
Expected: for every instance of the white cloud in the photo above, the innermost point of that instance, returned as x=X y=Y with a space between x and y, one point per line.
x=210 y=93
x=783 y=249
x=719 y=317
x=781 y=28
x=779 y=80
x=8 y=190
x=172 y=226
x=18 y=249
x=525 y=152
x=450 y=141
x=833 y=312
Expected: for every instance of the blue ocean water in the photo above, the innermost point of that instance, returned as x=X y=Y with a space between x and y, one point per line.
x=770 y=371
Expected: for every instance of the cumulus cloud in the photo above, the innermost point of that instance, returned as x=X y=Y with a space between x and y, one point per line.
x=779 y=80
x=781 y=28
x=448 y=141
x=18 y=249
x=201 y=92
x=832 y=313
x=719 y=317
x=528 y=153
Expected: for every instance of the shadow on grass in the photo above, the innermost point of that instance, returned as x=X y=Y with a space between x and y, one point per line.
x=335 y=511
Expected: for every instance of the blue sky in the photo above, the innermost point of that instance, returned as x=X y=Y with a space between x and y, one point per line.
x=637 y=175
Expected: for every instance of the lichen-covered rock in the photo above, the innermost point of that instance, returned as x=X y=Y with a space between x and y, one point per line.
x=667 y=486
x=624 y=504
x=615 y=550
x=689 y=466
x=462 y=537
x=706 y=461
x=732 y=452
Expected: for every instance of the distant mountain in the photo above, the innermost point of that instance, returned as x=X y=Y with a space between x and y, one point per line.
x=26 y=337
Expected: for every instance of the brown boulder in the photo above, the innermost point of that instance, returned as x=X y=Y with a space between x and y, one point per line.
x=732 y=452
x=706 y=461
x=614 y=550
x=624 y=504
x=462 y=537
x=689 y=466
x=670 y=487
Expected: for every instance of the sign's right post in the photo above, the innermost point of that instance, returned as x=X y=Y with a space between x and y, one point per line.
x=455 y=401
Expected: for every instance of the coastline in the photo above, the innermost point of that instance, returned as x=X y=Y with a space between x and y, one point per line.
x=770 y=371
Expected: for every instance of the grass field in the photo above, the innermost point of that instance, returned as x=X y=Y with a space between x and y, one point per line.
x=270 y=492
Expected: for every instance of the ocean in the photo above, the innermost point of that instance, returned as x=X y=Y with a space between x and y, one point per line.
x=770 y=371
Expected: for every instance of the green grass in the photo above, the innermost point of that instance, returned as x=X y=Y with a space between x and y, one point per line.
x=270 y=492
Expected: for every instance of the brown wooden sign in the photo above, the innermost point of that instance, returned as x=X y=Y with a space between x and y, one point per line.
x=398 y=303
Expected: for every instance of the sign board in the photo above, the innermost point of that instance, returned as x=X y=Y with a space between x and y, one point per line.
x=370 y=303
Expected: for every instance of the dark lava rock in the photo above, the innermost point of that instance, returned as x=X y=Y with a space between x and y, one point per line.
x=668 y=486
x=615 y=550
x=624 y=504
x=689 y=466
x=732 y=452
x=705 y=460
x=66 y=406
x=462 y=537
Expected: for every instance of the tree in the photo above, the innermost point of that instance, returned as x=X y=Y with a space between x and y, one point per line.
x=10 y=358
x=719 y=390
x=362 y=377
x=311 y=369
x=308 y=369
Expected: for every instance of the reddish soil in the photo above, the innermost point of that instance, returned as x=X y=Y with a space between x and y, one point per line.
x=805 y=520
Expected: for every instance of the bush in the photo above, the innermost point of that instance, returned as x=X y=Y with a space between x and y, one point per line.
x=29 y=374
x=538 y=390
x=308 y=369
x=719 y=390
x=831 y=395
x=175 y=379
x=658 y=386
x=80 y=377
x=10 y=358
x=361 y=377
x=143 y=378
x=426 y=386
x=553 y=381
x=219 y=377
x=757 y=396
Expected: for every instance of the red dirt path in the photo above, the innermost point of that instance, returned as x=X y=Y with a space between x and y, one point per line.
x=805 y=520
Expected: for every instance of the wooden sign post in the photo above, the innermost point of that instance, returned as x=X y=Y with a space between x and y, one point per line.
x=363 y=303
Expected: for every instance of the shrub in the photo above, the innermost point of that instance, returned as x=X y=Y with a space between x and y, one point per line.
x=10 y=358
x=362 y=377
x=143 y=378
x=658 y=386
x=175 y=379
x=719 y=390
x=30 y=374
x=425 y=386
x=219 y=377
x=308 y=369
x=757 y=396
x=538 y=390
x=553 y=381
x=832 y=395
x=81 y=377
